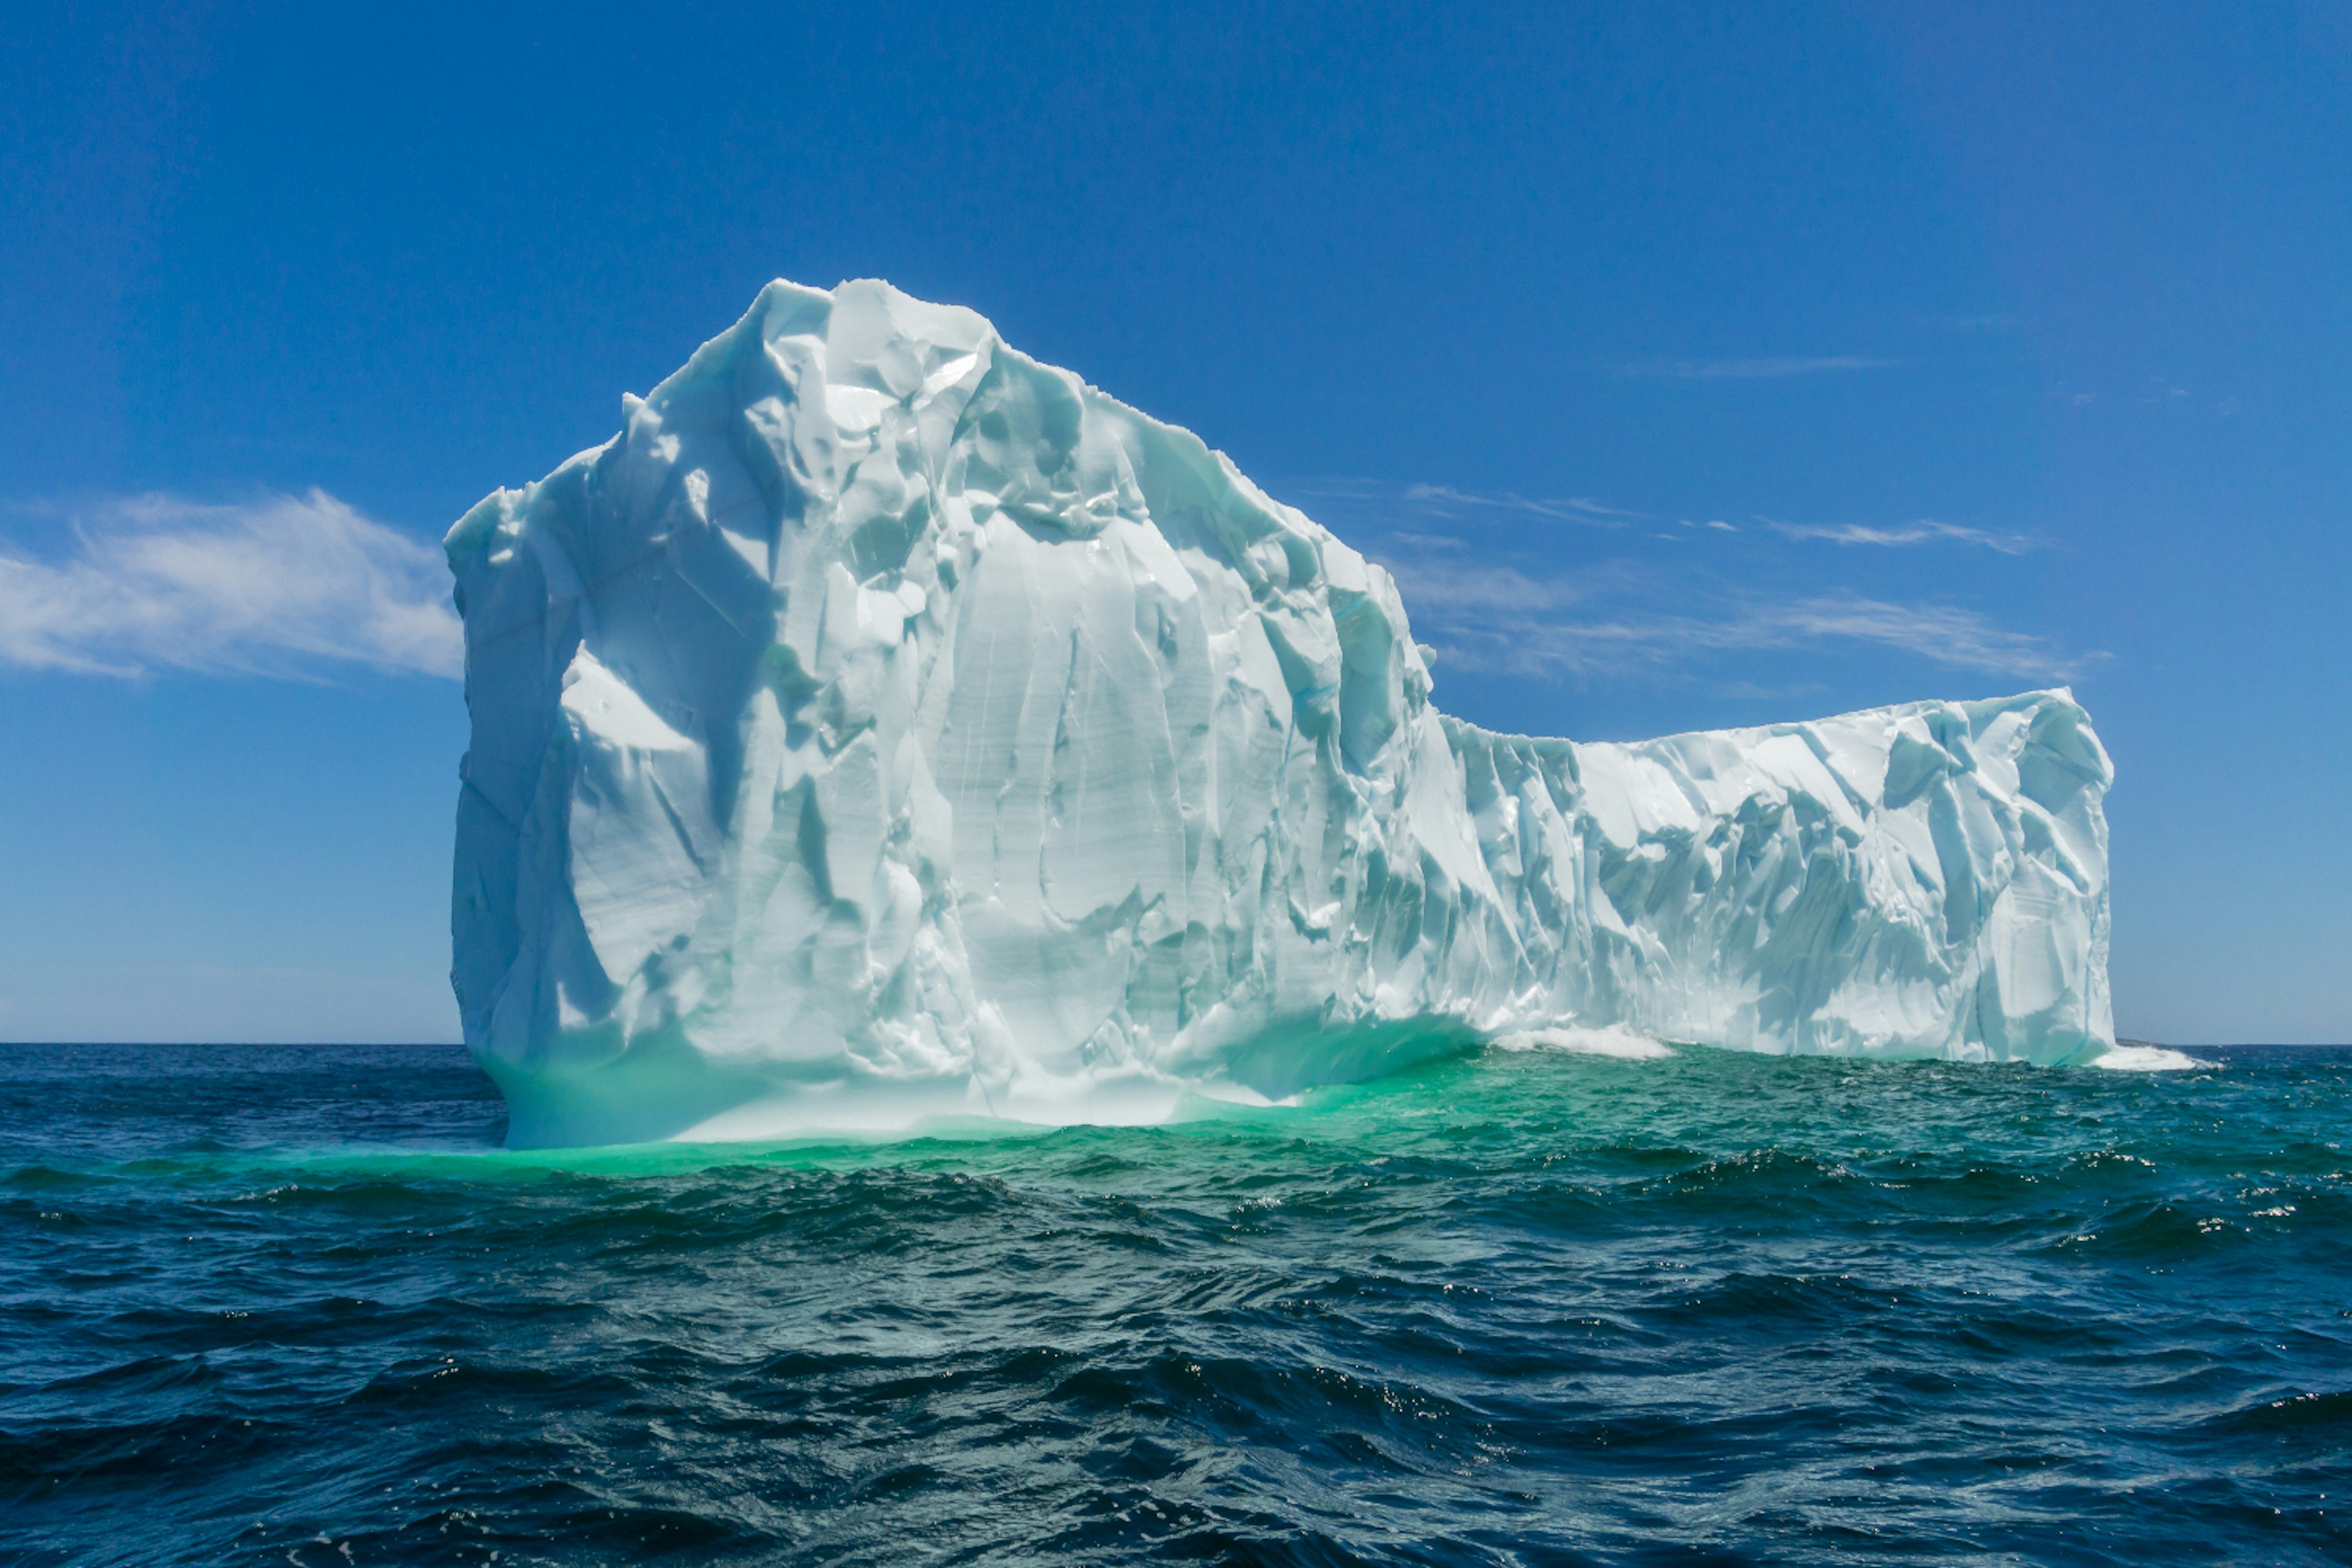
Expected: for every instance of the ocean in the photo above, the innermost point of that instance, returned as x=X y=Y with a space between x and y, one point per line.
x=295 y=1305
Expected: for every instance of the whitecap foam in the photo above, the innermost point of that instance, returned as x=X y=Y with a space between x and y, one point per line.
x=1613 y=1040
x=2148 y=1058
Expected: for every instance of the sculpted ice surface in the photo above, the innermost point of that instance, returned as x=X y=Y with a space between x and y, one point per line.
x=885 y=723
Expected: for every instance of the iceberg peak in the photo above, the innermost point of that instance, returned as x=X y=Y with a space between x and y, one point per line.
x=885 y=724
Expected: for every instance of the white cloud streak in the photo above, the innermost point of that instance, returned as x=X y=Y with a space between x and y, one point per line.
x=1753 y=369
x=1927 y=531
x=1452 y=592
x=1445 y=499
x=1502 y=619
x=1575 y=645
x=1618 y=617
x=278 y=586
x=1383 y=502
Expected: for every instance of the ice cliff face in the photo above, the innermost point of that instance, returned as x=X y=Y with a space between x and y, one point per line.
x=886 y=723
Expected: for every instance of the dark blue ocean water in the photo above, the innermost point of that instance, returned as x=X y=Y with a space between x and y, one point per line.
x=293 y=1306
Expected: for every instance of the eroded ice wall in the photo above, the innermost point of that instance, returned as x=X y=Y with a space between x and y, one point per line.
x=886 y=723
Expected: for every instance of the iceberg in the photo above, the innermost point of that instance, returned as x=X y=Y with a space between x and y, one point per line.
x=884 y=725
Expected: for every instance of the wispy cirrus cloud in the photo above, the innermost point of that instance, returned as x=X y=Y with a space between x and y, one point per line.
x=1927 y=531
x=1500 y=601
x=1402 y=511
x=1503 y=619
x=1635 y=641
x=1567 y=509
x=1765 y=369
x=1445 y=501
x=1453 y=592
x=1384 y=501
x=281 y=586
x=1948 y=634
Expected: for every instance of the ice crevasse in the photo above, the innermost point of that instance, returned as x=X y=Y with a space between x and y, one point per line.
x=885 y=724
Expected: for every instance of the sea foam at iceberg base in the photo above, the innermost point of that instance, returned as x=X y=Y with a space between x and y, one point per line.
x=886 y=726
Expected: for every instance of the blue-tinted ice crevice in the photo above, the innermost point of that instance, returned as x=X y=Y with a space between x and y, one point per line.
x=885 y=724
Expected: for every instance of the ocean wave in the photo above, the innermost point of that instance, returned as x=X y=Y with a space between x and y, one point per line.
x=1524 y=1306
x=2148 y=1058
x=1613 y=1040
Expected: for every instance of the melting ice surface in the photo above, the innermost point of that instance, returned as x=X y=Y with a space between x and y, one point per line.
x=886 y=725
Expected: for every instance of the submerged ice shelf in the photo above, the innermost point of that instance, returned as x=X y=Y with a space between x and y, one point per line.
x=885 y=724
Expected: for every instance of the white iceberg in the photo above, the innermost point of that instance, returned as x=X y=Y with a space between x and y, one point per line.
x=887 y=725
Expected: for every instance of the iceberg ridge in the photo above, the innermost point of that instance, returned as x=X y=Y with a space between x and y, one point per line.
x=885 y=724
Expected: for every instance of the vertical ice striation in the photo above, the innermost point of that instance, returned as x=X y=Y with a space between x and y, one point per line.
x=885 y=723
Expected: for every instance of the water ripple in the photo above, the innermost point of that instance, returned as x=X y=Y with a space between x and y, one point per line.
x=275 y=1305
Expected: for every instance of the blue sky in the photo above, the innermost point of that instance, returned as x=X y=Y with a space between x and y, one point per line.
x=1690 y=370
